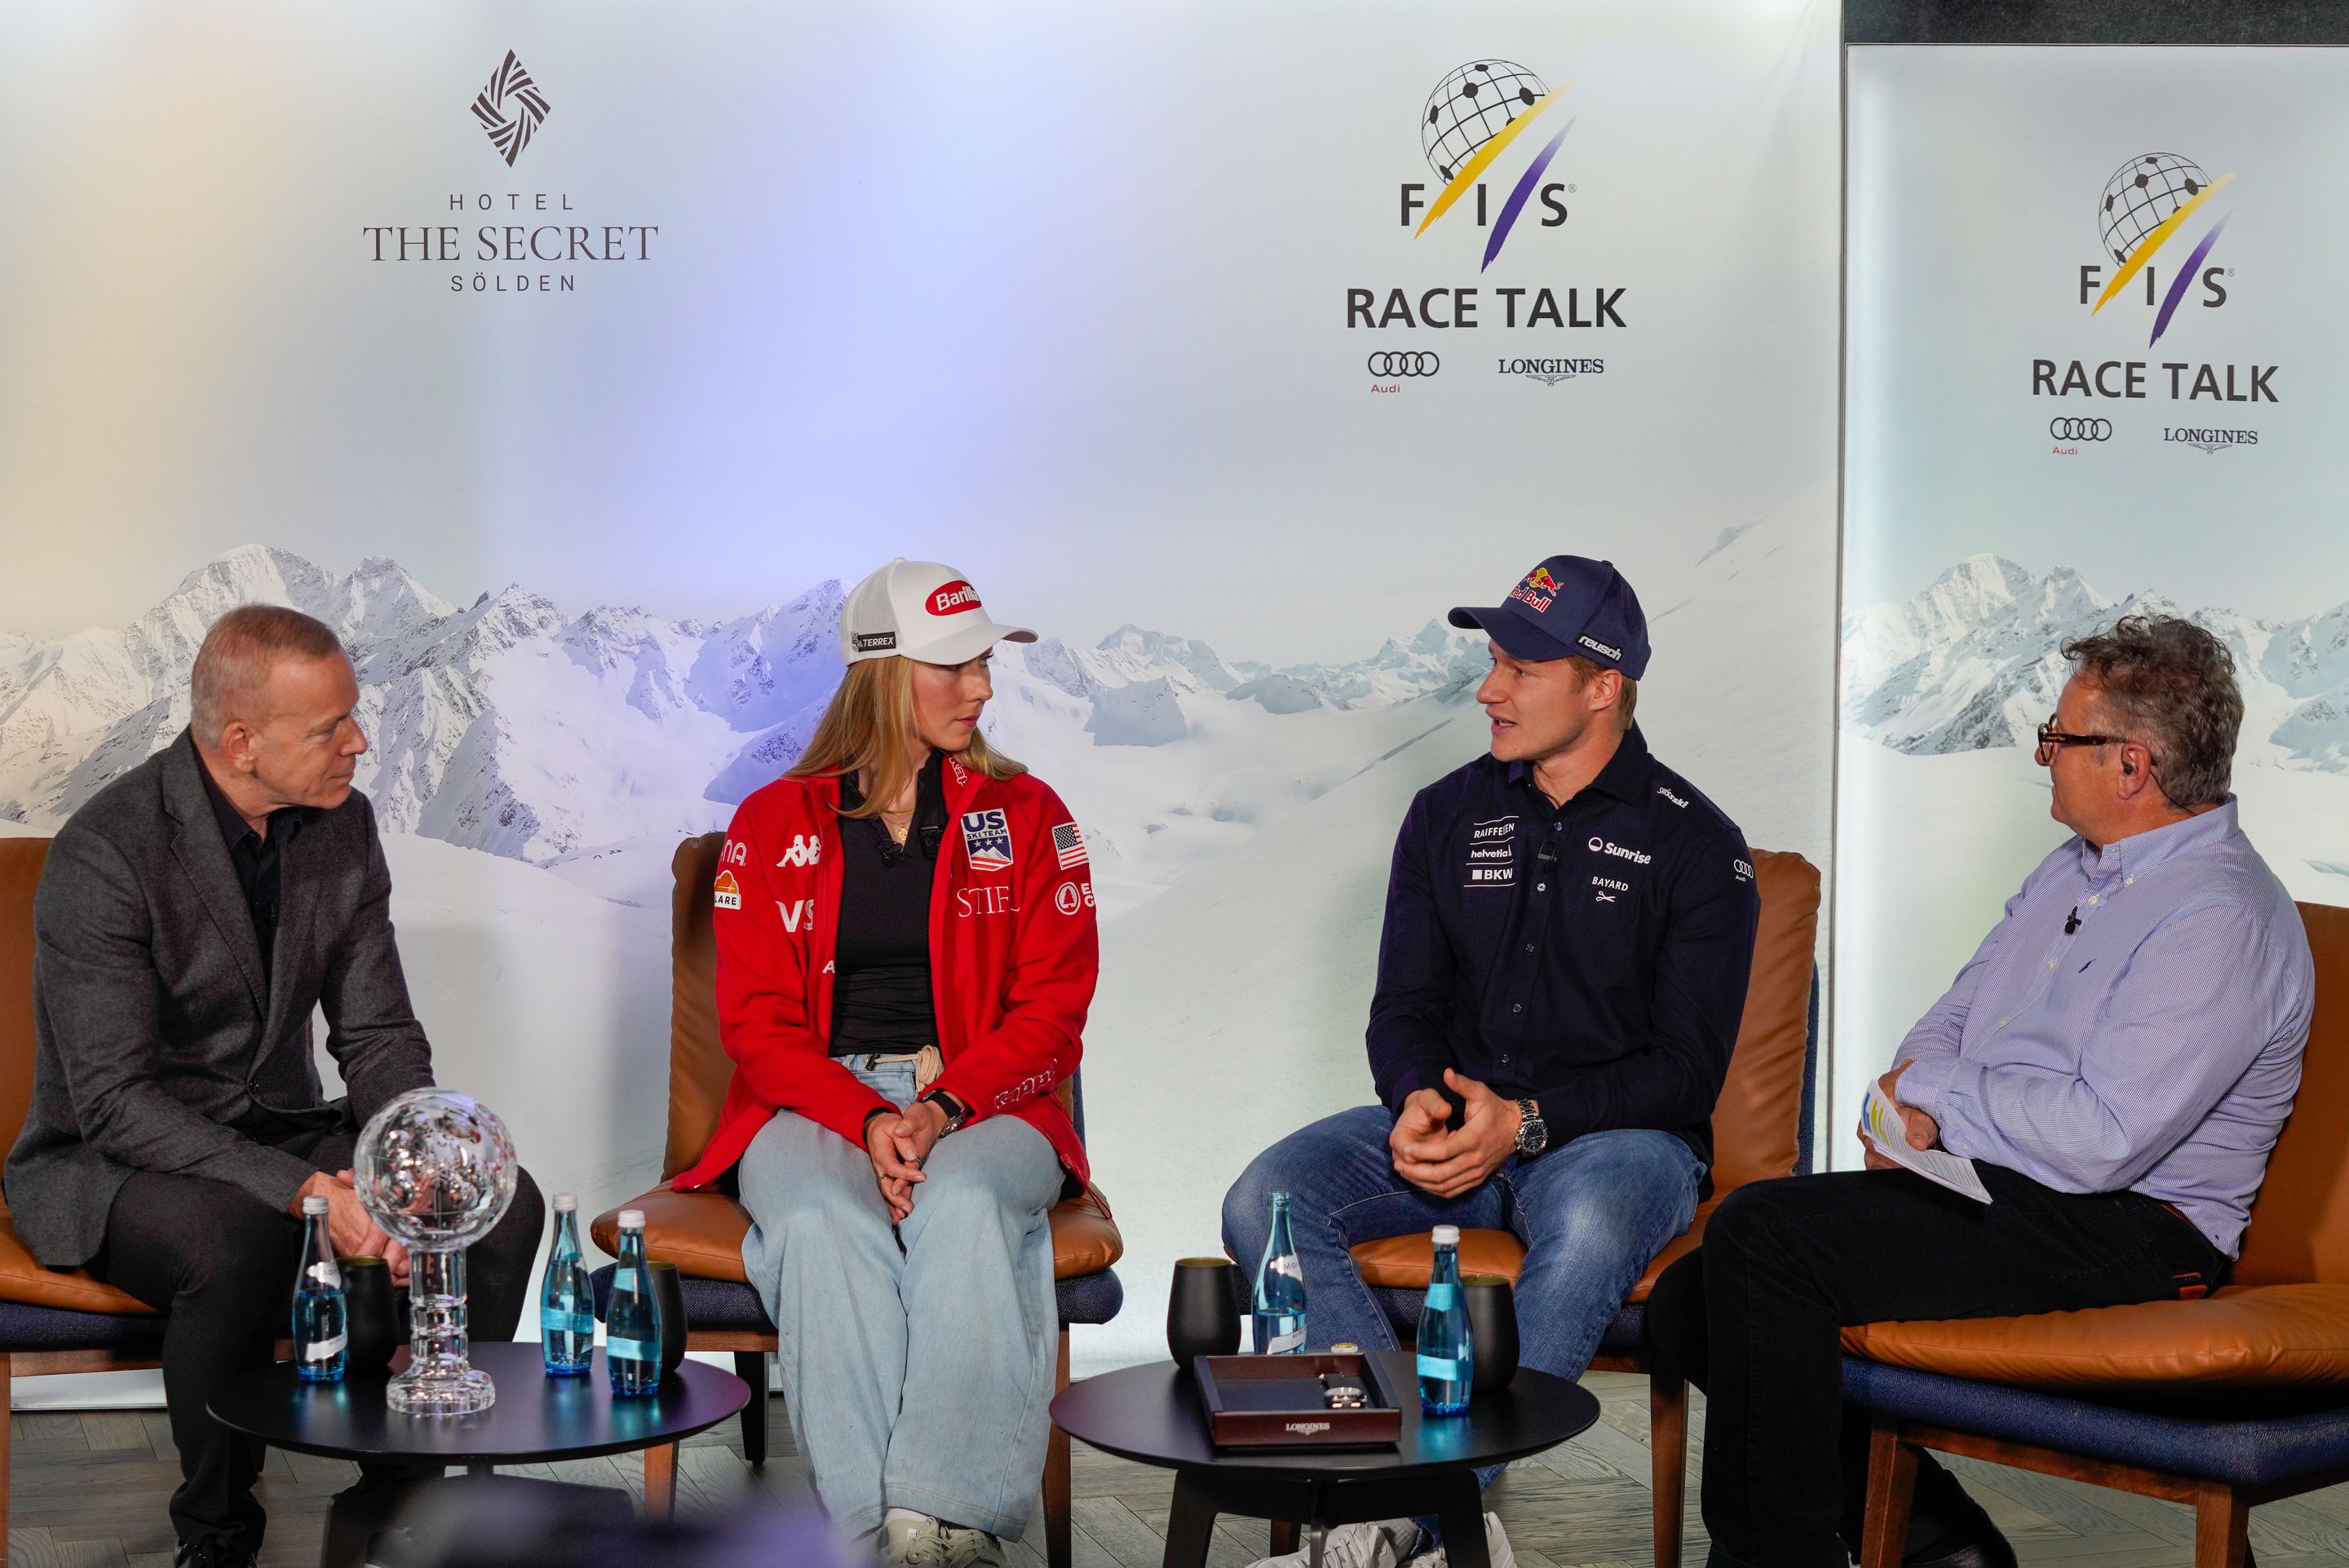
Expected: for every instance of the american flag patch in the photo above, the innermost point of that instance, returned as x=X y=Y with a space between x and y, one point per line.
x=1069 y=845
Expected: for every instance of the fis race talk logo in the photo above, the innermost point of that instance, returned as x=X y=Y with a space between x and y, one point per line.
x=2148 y=204
x=1471 y=120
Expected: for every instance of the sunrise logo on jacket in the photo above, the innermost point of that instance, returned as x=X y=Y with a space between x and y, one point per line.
x=987 y=839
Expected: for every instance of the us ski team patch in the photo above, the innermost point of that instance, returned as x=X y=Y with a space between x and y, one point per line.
x=987 y=839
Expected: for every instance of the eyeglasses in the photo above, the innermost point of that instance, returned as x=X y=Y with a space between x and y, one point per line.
x=2052 y=740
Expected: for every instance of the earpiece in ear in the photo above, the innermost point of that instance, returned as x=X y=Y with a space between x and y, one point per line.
x=2127 y=768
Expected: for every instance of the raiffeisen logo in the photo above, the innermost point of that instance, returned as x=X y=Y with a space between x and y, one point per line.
x=2147 y=202
x=1472 y=118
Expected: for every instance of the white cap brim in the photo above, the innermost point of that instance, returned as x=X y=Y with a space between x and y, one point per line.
x=964 y=643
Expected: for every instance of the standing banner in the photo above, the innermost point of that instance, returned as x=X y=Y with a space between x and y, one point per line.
x=2097 y=355
x=572 y=365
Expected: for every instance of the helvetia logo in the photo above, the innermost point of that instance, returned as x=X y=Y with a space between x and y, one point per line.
x=510 y=108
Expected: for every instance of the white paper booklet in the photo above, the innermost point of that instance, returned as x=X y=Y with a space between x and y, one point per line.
x=1881 y=1121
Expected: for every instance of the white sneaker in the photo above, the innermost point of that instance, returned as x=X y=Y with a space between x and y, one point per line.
x=921 y=1541
x=1380 y=1544
x=1496 y=1547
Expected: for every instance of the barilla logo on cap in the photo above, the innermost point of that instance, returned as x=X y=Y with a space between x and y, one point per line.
x=953 y=598
x=1539 y=589
x=1596 y=647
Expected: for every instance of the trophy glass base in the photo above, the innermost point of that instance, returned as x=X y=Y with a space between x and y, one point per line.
x=455 y=1391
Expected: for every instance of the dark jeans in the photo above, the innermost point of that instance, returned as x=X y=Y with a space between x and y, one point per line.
x=1754 y=1319
x=220 y=1263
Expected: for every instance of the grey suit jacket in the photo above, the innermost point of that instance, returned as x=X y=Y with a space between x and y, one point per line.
x=155 y=1027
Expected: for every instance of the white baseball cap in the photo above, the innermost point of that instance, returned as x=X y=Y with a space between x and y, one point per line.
x=920 y=610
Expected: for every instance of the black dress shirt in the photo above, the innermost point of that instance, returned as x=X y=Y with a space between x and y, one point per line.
x=256 y=859
x=1592 y=956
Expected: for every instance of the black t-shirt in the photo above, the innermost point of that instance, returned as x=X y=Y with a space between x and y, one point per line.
x=881 y=984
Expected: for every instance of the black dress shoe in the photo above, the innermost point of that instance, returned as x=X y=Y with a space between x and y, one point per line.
x=214 y=1553
x=1987 y=1549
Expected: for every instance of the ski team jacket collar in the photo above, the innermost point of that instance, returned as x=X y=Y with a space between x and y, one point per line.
x=1014 y=955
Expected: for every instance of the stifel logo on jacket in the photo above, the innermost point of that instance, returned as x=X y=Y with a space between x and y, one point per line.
x=1014 y=954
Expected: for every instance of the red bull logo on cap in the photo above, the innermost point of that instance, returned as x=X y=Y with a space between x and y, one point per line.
x=1539 y=589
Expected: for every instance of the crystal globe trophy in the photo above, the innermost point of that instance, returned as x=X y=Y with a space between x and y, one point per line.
x=435 y=1170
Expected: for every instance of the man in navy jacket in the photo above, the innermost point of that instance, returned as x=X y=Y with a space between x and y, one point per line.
x=1569 y=926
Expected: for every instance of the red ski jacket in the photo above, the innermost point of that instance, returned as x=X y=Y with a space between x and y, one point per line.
x=1014 y=952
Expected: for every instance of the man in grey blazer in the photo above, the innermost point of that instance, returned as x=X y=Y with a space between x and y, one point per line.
x=191 y=919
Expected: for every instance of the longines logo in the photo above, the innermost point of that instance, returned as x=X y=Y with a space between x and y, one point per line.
x=2209 y=441
x=510 y=108
x=1550 y=372
x=537 y=245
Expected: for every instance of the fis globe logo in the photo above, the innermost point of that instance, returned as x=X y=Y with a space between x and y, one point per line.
x=2147 y=203
x=2157 y=220
x=1474 y=116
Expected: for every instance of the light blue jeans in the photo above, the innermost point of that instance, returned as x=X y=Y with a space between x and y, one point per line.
x=918 y=1358
x=1590 y=1212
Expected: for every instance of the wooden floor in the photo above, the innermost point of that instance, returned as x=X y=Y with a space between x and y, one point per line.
x=89 y=1492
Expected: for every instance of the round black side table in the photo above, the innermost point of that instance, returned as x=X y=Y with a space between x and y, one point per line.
x=536 y=1419
x=1151 y=1415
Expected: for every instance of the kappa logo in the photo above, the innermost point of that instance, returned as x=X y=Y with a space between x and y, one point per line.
x=798 y=912
x=1602 y=846
x=987 y=839
x=726 y=892
x=1596 y=647
x=805 y=850
x=1666 y=792
x=1072 y=897
x=954 y=598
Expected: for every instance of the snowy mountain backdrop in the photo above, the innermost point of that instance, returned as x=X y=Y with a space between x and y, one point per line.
x=564 y=740
x=1975 y=662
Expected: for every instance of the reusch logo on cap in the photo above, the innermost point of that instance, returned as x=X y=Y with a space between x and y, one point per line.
x=953 y=598
x=1595 y=646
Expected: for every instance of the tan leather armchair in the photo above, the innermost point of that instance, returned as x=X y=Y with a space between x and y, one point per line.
x=702 y=1233
x=2239 y=1398
x=1759 y=1130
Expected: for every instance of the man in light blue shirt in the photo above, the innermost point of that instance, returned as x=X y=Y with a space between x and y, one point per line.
x=2117 y=1059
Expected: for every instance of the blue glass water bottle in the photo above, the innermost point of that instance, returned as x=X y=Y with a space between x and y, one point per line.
x=632 y=1341
x=1280 y=1309
x=1447 y=1360
x=566 y=1303
x=321 y=1317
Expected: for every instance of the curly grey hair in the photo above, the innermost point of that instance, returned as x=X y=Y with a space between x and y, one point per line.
x=2170 y=685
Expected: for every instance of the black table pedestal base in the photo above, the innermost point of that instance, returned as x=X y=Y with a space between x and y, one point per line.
x=360 y=1517
x=1322 y=1500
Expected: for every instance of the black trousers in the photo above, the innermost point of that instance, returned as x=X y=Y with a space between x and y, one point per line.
x=220 y=1263
x=1755 y=1317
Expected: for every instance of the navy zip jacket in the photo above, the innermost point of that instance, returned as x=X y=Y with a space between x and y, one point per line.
x=1592 y=956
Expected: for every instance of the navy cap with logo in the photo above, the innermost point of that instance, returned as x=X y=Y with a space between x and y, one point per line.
x=1568 y=606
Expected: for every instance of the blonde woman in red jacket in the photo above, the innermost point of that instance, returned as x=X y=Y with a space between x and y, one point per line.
x=906 y=953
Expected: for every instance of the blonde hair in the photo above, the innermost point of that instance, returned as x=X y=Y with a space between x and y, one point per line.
x=863 y=732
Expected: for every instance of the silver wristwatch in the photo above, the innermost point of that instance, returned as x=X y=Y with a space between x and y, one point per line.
x=1533 y=1132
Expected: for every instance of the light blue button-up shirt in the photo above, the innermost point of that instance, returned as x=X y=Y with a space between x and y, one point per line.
x=2155 y=1047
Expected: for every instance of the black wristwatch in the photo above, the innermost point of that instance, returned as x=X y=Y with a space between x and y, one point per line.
x=957 y=1113
x=1533 y=1132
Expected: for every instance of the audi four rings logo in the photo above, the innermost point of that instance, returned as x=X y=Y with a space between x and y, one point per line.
x=1420 y=364
x=2080 y=429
